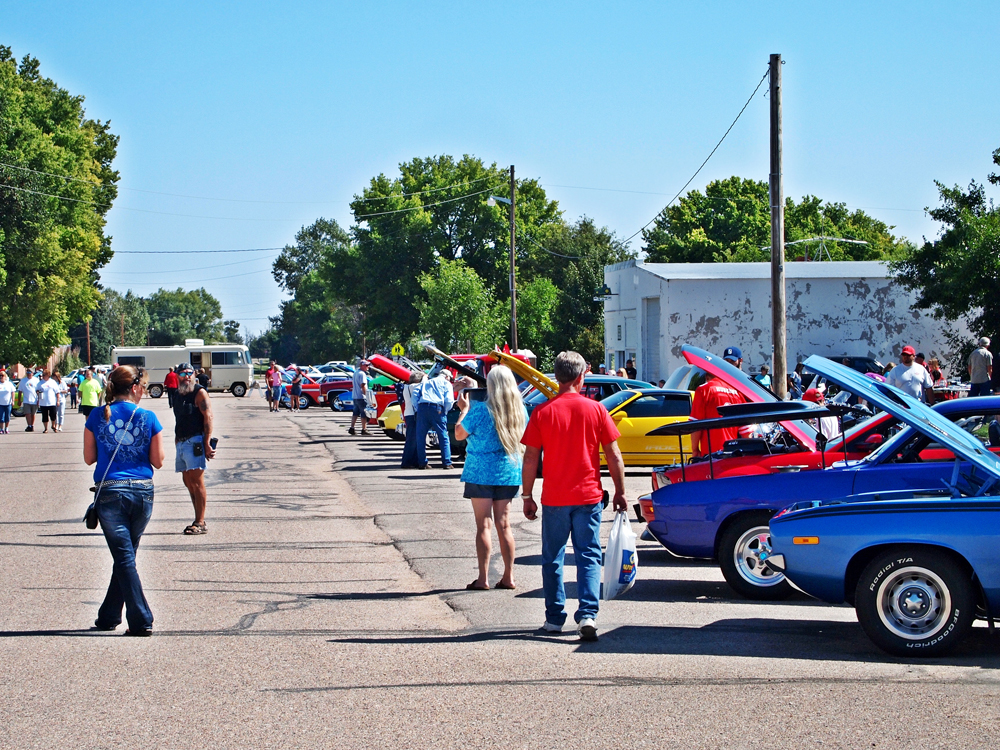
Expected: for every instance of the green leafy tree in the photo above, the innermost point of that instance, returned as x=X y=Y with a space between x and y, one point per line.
x=957 y=276
x=52 y=237
x=178 y=315
x=434 y=211
x=460 y=312
x=731 y=221
x=114 y=313
x=231 y=332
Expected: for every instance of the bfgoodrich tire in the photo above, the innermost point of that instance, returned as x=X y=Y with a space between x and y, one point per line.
x=744 y=543
x=915 y=602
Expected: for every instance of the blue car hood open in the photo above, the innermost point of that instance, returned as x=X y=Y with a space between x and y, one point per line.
x=909 y=410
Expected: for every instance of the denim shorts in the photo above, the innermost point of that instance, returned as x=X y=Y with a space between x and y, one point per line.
x=359 y=406
x=491 y=491
x=186 y=460
x=275 y=392
x=5 y=410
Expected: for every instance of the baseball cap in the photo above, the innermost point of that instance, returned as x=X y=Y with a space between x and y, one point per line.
x=364 y=363
x=908 y=350
x=733 y=353
x=812 y=394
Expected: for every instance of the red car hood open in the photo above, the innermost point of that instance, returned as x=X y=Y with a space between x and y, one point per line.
x=748 y=388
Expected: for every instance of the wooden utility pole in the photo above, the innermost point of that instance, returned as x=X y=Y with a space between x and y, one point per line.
x=513 y=283
x=88 y=343
x=779 y=382
x=123 y=329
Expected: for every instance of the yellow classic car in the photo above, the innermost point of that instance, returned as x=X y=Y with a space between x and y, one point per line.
x=635 y=412
x=391 y=422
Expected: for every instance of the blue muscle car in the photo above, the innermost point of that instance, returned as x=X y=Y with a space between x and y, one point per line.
x=727 y=519
x=919 y=562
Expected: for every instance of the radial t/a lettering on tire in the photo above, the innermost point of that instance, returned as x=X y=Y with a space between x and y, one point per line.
x=743 y=550
x=915 y=601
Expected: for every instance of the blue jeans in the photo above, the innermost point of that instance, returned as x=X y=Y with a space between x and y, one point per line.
x=432 y=417
x=410 y=446
x=124 y=513
x=583 y=524
x=980 y=389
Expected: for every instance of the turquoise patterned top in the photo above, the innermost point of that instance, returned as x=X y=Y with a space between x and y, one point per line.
x=486 y=462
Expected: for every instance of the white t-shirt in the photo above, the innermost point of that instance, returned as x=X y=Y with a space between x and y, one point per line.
x=912 y=379
x=48 y=393
x=408 y=410
x=27 y=386
x=7 y=393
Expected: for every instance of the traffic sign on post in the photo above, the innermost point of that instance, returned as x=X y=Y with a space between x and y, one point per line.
x=398 y=350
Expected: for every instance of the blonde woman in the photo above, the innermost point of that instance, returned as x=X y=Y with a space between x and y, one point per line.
x=492 y=471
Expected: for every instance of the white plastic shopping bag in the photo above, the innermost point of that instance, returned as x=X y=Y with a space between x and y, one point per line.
x=620 y=559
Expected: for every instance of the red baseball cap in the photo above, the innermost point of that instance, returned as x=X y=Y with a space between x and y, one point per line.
x=908 y=350
x=813 y=394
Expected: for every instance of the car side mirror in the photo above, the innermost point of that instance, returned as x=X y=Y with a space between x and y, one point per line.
x=618 y=416
x=872 y=442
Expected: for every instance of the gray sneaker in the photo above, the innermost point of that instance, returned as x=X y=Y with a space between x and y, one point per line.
x=549 y=627
x=587 y=629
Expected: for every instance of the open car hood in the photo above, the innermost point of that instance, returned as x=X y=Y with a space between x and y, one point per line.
x=542 y=382
x=911 y=411
x=454 y=364
x=740 y=415
x=749 y=388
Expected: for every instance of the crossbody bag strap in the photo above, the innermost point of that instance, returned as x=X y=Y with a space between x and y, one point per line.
x=119 y=445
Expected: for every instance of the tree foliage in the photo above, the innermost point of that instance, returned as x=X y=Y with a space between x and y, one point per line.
x=50 y=247
x=957 y=276
x=114 y=313
x=731 y=221
x=178 y=315
x=434 y=211
x=460 y=312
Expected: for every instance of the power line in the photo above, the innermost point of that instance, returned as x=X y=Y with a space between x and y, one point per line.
x=175 y=270
x=560 y=255
x=697 y=171
x=426 y=205
x=195 y=252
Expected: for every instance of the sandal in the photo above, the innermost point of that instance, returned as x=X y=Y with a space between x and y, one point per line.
x=195 y=529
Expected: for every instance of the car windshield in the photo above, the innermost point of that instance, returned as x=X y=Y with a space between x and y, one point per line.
x=615 y=400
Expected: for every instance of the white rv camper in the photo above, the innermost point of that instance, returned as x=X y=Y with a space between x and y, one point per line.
x=228 y=365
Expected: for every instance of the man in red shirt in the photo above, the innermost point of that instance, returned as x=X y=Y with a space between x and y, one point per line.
x=571 y=429
x=708 y=397
x=170 y=384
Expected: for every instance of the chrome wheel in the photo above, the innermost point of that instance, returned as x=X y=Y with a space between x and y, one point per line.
x=749 y=554
x=914 y=603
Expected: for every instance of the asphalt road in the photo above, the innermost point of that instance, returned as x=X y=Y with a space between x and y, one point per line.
x=326 y=607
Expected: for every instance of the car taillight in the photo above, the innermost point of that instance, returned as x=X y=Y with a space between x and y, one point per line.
x=660 y=479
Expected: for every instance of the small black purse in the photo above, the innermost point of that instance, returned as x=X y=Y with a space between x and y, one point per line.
x=90 y=517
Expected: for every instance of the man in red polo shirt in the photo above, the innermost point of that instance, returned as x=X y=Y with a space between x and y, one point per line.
x=571 y=429
x=708 y=397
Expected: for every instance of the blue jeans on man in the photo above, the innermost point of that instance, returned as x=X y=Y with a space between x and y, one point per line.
x=410 y=446
x=124 y=513
x=980 y=389
x=432 y=417
x=582 y=523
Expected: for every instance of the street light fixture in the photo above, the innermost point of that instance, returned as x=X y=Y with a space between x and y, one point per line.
x=492 y=201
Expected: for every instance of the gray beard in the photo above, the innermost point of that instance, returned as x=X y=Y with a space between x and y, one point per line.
x=185 y=388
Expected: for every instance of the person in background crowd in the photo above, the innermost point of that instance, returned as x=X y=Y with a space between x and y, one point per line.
x=622 y=373
x=910 y=377
x=492 y=471
x=74 y=392
x=981 y=369
x=661 y=383
x=7 y=391
x=170 y=384
x=630 y=369
x=296 y=389
x=192 y=437
x=125 y=485
x=63 y=398
x=937 y=374
x=359 y=395
x=203 y=378
x=28 y=390
x=708 y=397
x=571 y=429
x=828 y=426
x=90 y=392
x=887 y=369
x=48 y=400
x=794 y=382
x=763 y=378
x=410 y=422
x=274 y=384
x=602 y=369
x=434 y=400
x=919 y=359
x=267 y=385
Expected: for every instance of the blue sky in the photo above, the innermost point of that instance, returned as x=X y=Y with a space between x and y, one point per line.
x=268 y=117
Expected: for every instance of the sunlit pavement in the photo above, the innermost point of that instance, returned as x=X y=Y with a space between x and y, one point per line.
x=327 y=607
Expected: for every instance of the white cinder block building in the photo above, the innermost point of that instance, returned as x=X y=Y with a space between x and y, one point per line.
x=842 y=308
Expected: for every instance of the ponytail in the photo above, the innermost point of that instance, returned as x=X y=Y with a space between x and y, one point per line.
x=119 y=383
